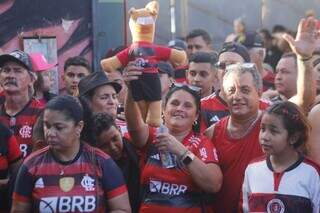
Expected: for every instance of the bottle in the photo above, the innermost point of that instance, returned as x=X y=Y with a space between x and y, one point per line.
x=168 y=159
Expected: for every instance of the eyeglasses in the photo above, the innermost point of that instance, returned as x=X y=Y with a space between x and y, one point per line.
x=245 y=66
x=223 y=65
x=192 y=88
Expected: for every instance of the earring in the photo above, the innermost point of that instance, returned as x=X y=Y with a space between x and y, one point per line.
x=195 y=123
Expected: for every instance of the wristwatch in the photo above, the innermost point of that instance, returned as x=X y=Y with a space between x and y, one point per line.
x=187 y=158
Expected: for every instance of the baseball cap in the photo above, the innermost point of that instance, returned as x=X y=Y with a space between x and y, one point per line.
x=17 y=56
x=236 y=48
x=178 y=44
x=250 y=40
x=166 y=68
x=94 y=80
x=39 y=62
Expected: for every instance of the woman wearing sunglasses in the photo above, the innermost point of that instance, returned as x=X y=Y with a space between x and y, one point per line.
x=183 y=186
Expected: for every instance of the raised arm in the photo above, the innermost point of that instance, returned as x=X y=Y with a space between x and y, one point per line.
x=138 y=130
x=303 y=46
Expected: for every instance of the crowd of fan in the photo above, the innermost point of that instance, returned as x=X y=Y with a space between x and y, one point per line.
x=240 y=125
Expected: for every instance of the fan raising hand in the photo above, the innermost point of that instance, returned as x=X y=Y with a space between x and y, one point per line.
x=305 y=42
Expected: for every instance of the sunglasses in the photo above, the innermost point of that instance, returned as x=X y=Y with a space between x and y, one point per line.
x=223 y=65
x=191 y=88
x=246 y=66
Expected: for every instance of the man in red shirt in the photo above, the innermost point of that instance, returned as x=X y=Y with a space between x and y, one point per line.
x=214 y=106
x=19 y=110
x=236 y=136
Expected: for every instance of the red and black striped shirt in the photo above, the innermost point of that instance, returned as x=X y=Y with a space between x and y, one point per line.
x=22 y=124
x=84 y=184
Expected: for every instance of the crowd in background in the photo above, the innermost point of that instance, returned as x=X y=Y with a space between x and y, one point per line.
x=239 y=129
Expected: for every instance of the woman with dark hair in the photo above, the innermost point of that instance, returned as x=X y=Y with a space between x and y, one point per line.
x=99 y=94
x=109 y=139
x=68 y=175
x=178 y=165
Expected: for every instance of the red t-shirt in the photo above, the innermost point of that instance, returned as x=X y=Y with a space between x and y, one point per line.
x=173 y=190
x=145 y=55
x=234 y=156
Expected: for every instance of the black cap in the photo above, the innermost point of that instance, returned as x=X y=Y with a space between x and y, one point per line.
x=94 y=80
x=166 y=68
x=236 y=48
x=250 y=40
x=17 y=56
x=178 y=44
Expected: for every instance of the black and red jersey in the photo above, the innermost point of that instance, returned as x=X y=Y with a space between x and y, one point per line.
x=84 y=184
x=234 y=156
x=173 y=190
x=213 y=108
x=180 y=74
x=22 y=124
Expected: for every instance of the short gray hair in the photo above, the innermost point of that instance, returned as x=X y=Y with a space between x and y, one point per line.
x=246 y=68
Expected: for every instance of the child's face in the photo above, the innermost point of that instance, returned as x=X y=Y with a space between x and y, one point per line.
x=273 y=136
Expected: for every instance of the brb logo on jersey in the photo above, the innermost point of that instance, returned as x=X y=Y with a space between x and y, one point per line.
x=167 y=188
x=67 y=204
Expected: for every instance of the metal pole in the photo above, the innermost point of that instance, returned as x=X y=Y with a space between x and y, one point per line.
x=125 y=12
x=173 y=18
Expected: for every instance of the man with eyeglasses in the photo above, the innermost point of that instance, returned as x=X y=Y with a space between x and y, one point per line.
x=214 y=106
x=236 y=136
x=19 y=110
